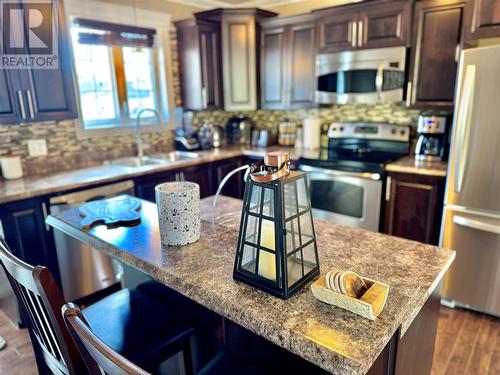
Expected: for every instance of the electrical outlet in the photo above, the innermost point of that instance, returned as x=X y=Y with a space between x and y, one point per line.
x=37 y=147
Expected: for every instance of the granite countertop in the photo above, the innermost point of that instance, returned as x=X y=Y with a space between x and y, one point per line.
x=408 y=164
x=30 y=187
x=334 y=339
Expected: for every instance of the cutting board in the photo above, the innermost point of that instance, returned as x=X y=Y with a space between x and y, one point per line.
x=111 y=212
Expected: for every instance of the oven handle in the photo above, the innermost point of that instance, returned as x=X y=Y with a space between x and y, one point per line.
x=337 y=173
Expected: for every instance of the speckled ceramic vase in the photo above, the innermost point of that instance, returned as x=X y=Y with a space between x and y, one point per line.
x=178 y=212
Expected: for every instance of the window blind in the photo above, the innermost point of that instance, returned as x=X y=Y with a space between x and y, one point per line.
x=112 y=34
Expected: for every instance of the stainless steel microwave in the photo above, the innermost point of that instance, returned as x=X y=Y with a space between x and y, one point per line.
x=363 y=76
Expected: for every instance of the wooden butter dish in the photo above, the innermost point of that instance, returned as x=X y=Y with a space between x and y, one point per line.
x=369 y=306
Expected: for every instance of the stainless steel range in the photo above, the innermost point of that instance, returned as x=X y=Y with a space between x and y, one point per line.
x=347 y=180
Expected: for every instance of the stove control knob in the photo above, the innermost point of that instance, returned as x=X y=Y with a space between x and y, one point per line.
x=341 y=128
x=402 y=132
x=393 y=131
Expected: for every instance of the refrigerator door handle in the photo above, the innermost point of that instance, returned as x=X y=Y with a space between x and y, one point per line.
x=464 y=120
x=476 y=224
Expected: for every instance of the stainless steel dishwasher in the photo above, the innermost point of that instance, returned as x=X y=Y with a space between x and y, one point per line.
x=85 y=270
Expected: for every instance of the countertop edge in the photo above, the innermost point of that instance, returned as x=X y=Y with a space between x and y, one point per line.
x=122 y=173
x=405 y=324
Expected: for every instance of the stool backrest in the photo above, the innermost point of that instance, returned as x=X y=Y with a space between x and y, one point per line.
x=98 y=356
x=40 y=301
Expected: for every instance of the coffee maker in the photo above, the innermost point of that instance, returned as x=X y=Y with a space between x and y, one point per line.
x=432 y=143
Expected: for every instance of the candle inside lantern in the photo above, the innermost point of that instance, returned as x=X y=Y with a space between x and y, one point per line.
x=267 y=261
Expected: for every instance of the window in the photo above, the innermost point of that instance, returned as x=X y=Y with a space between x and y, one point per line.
x=116 y=68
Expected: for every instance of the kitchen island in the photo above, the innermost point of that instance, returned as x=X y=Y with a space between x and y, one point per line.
x=333 y=339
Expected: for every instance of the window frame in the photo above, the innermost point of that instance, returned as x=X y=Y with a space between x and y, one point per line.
x=162 y=63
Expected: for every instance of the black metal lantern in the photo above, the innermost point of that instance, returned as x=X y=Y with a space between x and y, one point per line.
x=276 y=244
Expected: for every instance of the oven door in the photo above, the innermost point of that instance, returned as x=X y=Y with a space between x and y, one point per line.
x=347 y=198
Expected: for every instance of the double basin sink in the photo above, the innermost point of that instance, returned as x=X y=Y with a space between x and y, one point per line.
x=156 y=159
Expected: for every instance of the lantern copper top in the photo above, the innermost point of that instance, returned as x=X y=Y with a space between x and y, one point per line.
x=279 y=163
x=276 y=158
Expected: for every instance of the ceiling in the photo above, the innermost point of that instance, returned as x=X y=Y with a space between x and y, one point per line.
x=210 y=4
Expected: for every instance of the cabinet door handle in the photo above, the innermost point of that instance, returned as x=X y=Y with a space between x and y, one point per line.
x=360 y=34
x=457 y=52
x=408 y=94
x=354 y=33
x=388 y=189
x=204 y=97
x=30 y=104
x=21 y=104
x=45 y=214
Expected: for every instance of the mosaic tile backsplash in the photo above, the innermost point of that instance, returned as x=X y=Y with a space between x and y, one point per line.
x=66 y=151
x=385 y=113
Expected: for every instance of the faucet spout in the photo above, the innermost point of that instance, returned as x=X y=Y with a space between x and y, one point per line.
x=138 y=138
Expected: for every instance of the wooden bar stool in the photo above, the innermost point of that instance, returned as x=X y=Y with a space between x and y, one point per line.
x=130 y=322
x=100 y=357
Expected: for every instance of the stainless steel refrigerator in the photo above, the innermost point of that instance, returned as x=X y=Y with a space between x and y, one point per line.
x=471 y=222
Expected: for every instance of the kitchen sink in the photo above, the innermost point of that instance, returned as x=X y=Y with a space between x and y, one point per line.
x=157 y=159
x=173 y=156
x=136 y=161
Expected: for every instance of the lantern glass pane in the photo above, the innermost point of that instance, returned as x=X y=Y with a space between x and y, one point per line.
x=267 y=265
x=252 y=229
x=249 y=258
x=302 y=194
x=309 y=257
x=306 y=228
x=294 y=268
x=267 y=238
x=255 y=199
x=292 y=235
x=268 y=206
x=290 y=198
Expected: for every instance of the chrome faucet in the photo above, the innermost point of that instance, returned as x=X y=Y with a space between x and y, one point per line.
x=138 y=138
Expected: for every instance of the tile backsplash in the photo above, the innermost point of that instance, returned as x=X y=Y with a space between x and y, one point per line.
x=66 y=151
x=385 y=113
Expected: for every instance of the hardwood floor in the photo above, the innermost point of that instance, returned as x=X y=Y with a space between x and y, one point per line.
x=466 y=343
x=17 y=358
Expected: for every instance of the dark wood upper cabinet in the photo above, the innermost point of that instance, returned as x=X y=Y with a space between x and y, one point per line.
x=287 y=64
x=272 y=67
x=435 y=52
x=364 y=25
x=302 y=63
x=414 y=206
x=385 y=25
x=482 y=19
x=9 y=109
x=337 y=32
x=42 y=94
x=200 y=64
x=218 y=59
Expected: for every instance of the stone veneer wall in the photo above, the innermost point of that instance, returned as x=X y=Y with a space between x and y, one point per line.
x=66 y=152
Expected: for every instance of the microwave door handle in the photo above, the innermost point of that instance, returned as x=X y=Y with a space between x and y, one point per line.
x=464 y=119
x=379 y=82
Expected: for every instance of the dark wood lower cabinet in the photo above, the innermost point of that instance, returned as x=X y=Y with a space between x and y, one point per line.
x=414 y=206
x=199 y=174
x=27 y=235
x=145 y=186
x=235 y=186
